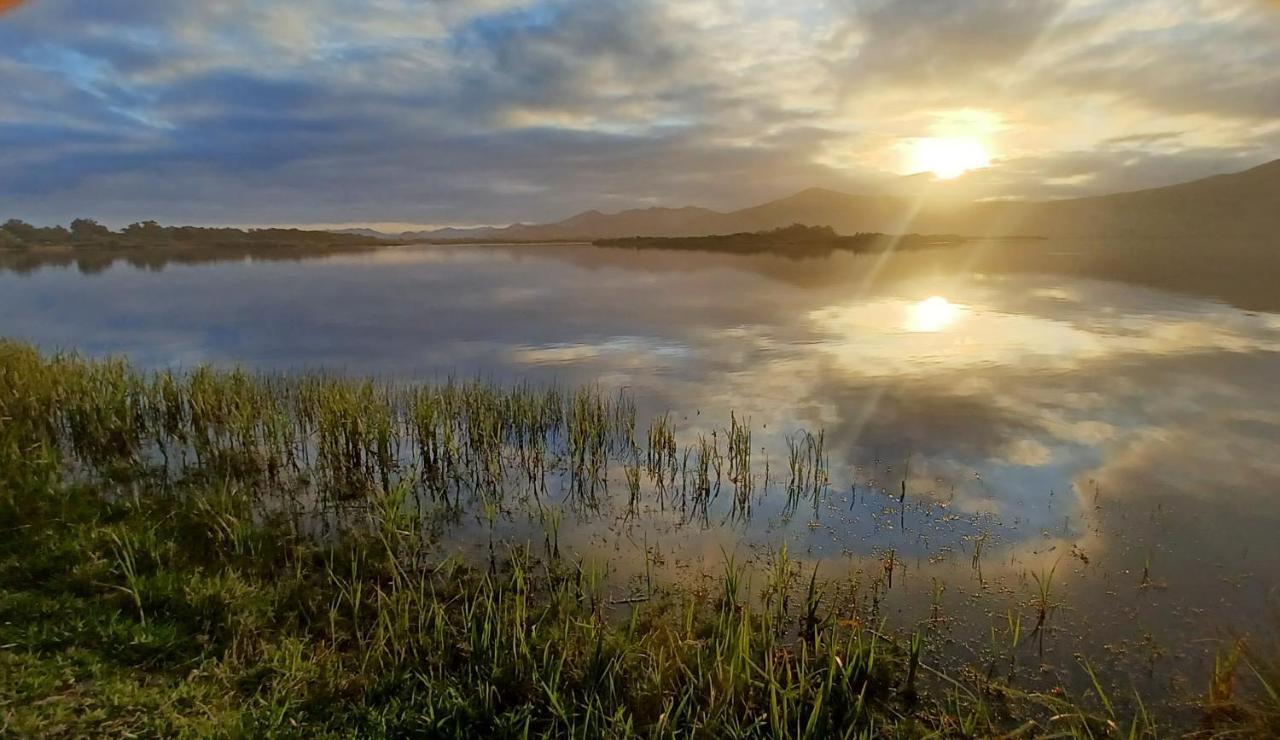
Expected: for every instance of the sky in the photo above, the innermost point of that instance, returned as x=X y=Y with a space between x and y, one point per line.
x=436 y=112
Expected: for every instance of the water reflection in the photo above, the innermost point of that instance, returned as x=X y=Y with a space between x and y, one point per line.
x=933 y=314
x=1039 y=418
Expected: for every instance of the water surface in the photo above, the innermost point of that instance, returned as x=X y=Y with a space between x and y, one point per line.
x=1043 y=406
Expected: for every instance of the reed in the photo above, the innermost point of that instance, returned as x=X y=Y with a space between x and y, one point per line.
x=221 y=553
x=1043 y=605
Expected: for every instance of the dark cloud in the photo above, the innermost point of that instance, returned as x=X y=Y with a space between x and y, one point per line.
x=1152 y=138
x=943 y=42
x=572 y=58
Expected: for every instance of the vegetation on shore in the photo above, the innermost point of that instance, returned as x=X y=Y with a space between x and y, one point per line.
x=221 y=553
x=796 y=239
x=84 y=233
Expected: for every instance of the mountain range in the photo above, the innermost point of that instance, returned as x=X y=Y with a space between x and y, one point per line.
x=1242 y=204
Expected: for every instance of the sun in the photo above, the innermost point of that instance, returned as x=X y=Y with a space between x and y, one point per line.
x=948 y=157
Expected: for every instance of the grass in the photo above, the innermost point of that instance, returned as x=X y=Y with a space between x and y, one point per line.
x=219 y=553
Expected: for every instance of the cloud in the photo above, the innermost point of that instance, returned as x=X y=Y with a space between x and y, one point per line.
x=1237 y=73
x=506 y=110
x=937 y=42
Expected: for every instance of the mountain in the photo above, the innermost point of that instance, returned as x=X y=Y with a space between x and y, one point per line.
x=366 y=232
x=1242 y=204
x=846 y=213
x=596 y=225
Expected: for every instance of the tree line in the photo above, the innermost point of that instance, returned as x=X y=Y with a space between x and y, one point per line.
x=793 y=240
x=86 y=232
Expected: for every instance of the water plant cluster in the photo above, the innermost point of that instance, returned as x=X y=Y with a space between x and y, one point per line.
x=222 y=553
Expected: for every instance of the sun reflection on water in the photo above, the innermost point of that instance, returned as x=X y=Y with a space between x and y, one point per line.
x=932 y=315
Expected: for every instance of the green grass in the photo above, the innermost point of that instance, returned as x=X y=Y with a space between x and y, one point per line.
x=218 y=553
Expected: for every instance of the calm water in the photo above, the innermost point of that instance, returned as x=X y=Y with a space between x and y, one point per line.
x=1041 y=415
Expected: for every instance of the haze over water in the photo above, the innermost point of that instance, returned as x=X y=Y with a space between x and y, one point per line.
x=1099 y=427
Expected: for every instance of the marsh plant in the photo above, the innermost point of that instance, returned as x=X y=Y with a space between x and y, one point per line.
x=218 y=553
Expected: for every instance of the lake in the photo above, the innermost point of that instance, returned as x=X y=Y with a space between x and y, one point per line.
x=993 y=417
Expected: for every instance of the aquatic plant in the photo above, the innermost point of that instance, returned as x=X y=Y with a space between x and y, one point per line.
x=223 y=553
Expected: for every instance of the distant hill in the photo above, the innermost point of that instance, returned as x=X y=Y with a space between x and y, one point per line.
x=371 y=233
x=1242 y=204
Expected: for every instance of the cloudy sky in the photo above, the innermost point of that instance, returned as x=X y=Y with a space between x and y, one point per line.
x=494 y=111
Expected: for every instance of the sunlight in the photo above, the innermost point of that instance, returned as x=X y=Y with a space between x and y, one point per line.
x=948 y=157
x=932 y=315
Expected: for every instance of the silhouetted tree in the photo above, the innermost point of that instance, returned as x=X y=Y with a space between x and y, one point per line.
x=86 y=232
x=19 y=229
x=29 y=234
x=53 y=234
x=149 y=230
x=87 y=229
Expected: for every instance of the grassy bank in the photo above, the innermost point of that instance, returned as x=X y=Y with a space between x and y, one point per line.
x=224 y=553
